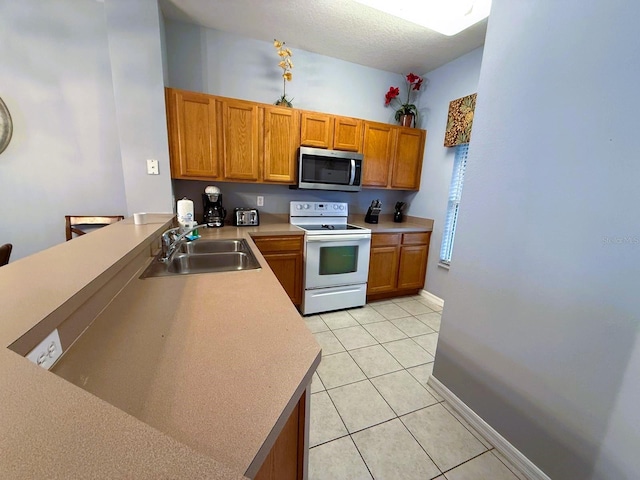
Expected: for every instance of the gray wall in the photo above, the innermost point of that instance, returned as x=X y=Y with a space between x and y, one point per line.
x=78 y=148
x=540 y=329
x=64 y=158
x=453 y=80
x=221 y=63
x=136 y=65
x=277 y=197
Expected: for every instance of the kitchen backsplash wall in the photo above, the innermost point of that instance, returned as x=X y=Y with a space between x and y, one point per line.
x=277 y=197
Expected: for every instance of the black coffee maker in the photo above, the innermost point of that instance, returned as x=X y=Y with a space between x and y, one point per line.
x=214 y=212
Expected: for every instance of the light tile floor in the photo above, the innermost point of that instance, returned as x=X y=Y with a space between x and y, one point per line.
x=373 y=416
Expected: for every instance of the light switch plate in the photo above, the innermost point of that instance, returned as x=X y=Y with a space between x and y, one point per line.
x=47 y=351
x=152 y=167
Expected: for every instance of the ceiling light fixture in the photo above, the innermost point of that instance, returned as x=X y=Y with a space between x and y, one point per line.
x=448 y=17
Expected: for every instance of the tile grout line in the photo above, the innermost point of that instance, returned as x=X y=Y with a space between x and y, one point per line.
x=385 y=400
x=350 y=434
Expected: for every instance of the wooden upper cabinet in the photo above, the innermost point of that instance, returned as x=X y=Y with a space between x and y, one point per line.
x=280 y=138
x=191 y=119
x=239 y=140
x=407 y=164
x=226 y=139
x=317 y=130
x=378 y=149
x=347 y=134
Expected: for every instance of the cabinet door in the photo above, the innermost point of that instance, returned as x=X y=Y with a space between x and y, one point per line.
x=383 y=270
x=347 y=134
x=378 y=149
x=407 y=165
x=280 y=140
x=288 y=268
x=285 y=461
x=284 y=255
x=240 y=132
x=413 y=266
x=317 y=130
x=192 y=134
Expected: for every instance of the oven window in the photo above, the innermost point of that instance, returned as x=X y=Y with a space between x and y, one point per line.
x=339 y=259
x=326 y=170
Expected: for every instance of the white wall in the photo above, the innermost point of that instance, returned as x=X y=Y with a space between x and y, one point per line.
x=540 y=330
x=453 y=80
x=64 y=157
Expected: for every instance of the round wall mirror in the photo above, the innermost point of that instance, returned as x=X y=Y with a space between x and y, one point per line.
x=6 y=126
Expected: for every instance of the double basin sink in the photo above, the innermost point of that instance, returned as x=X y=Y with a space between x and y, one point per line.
x=205 y=256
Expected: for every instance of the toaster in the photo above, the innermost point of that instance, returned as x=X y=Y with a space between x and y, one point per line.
x=246 y=217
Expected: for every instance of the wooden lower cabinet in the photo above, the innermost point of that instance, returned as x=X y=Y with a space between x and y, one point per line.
x=397 y=264
x=284 y=254
x=285 y=461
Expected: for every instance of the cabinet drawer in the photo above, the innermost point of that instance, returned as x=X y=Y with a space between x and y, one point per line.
x=291 y=243
x=416 y=238
x=385 y=239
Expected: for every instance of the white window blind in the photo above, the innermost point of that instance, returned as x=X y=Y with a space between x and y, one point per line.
x=455 y=193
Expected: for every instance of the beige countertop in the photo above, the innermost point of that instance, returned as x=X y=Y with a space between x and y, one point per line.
x=180 y=377
x=387 y=225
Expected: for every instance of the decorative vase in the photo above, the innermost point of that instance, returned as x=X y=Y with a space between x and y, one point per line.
x=406 y=120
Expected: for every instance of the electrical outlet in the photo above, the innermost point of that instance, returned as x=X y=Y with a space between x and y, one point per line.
x=47 y=351
x=152 y=167
x=260 y=201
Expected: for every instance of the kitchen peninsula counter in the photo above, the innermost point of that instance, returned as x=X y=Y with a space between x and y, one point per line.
x=176 y=377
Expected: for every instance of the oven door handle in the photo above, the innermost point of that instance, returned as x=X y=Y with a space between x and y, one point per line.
x=338 y=238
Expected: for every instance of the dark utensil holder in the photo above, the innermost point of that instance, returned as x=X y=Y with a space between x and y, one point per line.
x=372 y=215
x=397 y=216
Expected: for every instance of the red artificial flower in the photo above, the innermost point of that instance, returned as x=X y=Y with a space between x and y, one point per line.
x=417 y=85
x=412 y=78
x=391 y=94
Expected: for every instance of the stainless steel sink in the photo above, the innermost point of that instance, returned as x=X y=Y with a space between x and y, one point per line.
x=206 y=256
x=214 y=246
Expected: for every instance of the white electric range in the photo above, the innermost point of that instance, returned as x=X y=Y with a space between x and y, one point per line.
x=336 y=256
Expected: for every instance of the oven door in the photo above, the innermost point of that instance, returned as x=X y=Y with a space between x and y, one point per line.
x=333 y=260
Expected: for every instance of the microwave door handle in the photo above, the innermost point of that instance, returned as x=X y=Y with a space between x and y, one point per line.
x=353 y=172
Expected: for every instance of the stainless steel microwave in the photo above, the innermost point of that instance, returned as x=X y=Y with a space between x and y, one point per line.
x=320 y=169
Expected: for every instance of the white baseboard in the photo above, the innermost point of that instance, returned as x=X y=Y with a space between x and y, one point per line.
x=432 y=298
x=511 y=453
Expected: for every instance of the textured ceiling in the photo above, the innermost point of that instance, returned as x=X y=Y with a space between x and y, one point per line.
x=341 y=29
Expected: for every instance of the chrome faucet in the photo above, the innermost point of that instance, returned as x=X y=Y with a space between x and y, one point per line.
x=172 y=239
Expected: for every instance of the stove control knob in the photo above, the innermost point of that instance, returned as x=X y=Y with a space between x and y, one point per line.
x=298 y=207
x=335 y=206
x=306 y=206
x=341 y=207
